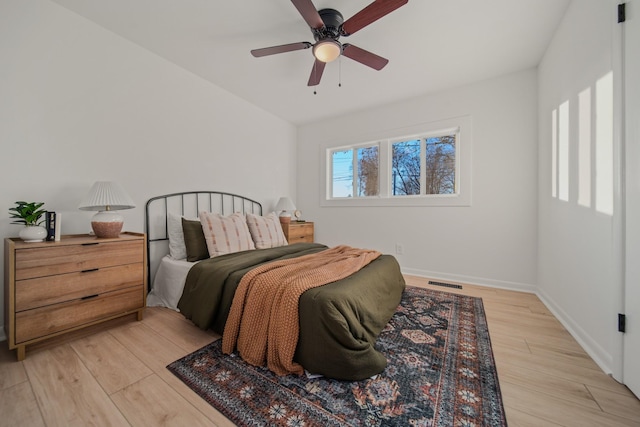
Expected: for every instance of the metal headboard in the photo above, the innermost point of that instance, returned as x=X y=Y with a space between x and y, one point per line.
x=188 y=204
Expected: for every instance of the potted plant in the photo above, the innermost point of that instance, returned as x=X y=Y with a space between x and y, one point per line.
x=29 y=214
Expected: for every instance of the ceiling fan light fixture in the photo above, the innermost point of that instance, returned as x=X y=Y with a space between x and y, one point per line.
x=327 y=26
x=327 y=50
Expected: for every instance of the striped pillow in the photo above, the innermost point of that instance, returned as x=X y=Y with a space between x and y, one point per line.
x=225 y=234
x=266 y=231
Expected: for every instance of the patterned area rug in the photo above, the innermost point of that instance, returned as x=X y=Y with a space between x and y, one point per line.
x=440 y=372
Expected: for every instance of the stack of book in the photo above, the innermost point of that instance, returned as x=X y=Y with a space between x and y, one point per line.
x=53 y=226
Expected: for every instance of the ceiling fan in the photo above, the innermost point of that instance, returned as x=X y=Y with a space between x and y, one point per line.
x=327 y=26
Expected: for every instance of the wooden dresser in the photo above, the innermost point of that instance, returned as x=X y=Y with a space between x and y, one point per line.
x=51 y=288
x=297 y=232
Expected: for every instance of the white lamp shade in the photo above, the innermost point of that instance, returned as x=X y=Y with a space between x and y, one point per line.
x=285 y=204
x=106 y=196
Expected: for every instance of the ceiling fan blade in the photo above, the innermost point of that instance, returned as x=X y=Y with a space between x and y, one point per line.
x=369 y=14
x=316 y=73
x=364 y=56
x=280 y=49
x=309 y=13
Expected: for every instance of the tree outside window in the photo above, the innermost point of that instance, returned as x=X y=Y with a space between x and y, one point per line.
x=405 y=160
x=424 y=166
x=368 y=167
x=440 y=165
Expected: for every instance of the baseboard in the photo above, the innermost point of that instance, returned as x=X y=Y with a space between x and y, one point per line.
x=480 y=281
x=602 y=358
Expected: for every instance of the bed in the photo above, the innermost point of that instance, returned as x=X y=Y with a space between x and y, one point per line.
x=338 y=322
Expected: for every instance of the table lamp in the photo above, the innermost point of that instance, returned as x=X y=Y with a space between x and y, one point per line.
x=106 y=197
x=285 y=206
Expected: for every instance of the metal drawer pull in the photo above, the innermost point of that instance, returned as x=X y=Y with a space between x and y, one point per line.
x=89 y=270
x=90 y=244
x=90 y=296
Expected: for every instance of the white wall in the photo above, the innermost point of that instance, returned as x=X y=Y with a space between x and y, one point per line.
x=493 y=241
x=80 y=104
x=577 y=271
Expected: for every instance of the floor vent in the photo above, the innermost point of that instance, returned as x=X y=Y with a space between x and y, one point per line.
x=446 y=285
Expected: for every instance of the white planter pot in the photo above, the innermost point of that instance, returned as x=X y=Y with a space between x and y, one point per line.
x=33 y=233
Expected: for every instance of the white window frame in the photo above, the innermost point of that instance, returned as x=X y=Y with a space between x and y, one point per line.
x=462 y=197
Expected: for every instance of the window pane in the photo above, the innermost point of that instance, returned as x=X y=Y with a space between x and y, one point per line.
x=440 y=169
x=405 y=179
x=342 y=167
x=368 y=164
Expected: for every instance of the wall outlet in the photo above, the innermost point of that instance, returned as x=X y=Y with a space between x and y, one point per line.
x=399 y=249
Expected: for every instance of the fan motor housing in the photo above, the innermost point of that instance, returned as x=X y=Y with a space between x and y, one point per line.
x=332 y=22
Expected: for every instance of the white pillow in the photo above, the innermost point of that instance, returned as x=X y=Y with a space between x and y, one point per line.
x=225 y=234
x=266 y=231
x=177 y=248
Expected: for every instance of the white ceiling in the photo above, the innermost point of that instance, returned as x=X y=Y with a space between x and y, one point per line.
x=431 y=45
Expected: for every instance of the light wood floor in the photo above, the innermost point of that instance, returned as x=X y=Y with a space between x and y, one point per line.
x=116 y=375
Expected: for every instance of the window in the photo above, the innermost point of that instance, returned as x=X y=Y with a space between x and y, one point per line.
x=363 y=163
x=424 y=166
x=368 y=171
x=431 y=167
x=342 y=168
x=405 y=175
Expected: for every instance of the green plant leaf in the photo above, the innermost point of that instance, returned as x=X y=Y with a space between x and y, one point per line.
x=27 y=213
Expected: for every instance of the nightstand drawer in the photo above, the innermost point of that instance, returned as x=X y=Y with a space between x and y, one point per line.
x=301 y=232
x=56 y=318
x=41 y=291
x=52 y=260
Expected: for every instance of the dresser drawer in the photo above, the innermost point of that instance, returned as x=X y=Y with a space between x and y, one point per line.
x=43 y=321
x=52 y=260
x=41 y=291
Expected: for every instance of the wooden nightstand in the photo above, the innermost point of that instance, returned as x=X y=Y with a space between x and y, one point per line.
x=52 y=288
x=297 y=232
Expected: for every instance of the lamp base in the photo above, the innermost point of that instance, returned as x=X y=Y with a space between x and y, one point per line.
x=107 y=224
x=285 y=217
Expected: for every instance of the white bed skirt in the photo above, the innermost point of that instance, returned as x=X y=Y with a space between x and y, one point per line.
x=169 y=283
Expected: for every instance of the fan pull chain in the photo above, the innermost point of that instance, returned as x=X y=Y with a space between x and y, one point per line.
x=340 y=71
x=315 y=71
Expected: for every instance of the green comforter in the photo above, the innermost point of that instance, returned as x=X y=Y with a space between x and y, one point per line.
x=339 y=322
